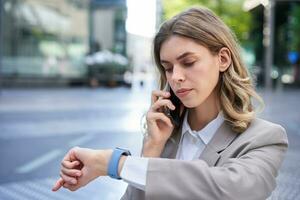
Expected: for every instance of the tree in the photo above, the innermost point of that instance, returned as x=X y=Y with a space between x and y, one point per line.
x=230 y=11
x=294 y=23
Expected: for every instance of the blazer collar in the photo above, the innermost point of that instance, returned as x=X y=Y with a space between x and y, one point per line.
x=222 y=139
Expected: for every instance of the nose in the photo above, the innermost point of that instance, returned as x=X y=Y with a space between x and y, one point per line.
x=178 y=74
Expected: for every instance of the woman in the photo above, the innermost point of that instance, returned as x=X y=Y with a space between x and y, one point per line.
x=220 y=150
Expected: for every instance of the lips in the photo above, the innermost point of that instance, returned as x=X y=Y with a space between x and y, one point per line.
x=183 y=92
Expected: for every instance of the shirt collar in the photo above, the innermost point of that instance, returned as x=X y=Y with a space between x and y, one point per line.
x=205 y=133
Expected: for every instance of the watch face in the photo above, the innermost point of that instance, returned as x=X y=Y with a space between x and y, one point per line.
x=124 y=151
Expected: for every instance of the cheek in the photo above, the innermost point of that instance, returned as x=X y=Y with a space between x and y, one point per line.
x=206 y=77
x=168 y=78
x=214 y=77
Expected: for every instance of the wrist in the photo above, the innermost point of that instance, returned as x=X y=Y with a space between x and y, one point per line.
x=152 y=149
x=107 y=159
x=121 y=164
x=102 y=161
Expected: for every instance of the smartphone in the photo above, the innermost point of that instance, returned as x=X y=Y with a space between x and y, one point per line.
x=174 y=115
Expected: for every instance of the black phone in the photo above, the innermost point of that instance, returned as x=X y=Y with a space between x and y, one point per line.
x=174 y=115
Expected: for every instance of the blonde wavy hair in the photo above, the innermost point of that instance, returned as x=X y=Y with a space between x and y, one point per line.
x=235 y=85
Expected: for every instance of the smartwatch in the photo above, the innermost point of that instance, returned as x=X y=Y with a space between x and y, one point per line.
x=113 y=164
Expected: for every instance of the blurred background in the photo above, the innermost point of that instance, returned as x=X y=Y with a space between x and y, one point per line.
x=80 y=73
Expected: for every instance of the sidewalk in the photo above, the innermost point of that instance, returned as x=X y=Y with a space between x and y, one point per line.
x=284 y=108
x=54 y=118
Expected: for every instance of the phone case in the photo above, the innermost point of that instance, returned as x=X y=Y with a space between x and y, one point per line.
x=174 y=115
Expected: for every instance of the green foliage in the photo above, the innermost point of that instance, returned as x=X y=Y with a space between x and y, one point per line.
x=294 y=43
x=230 y=11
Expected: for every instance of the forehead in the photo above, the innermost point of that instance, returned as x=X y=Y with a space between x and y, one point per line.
x=177 y=45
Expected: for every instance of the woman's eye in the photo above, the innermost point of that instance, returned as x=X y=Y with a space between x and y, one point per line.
x=168 y=69
x=189 y=64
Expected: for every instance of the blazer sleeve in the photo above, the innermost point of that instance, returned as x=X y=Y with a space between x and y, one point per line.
x=249 y=176
x=133 y=193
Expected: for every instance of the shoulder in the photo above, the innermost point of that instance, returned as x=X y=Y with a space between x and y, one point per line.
x=262 y=132
x=258 y=123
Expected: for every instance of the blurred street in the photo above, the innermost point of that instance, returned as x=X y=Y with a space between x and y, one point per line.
x=38 y=126
x=282 y=107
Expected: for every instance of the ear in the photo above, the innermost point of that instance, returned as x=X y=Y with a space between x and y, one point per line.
x=224 y=57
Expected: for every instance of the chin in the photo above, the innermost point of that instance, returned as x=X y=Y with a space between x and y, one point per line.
x=190 y=104
x=193 y=102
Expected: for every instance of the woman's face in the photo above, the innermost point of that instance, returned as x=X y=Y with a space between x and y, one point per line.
x=190 y=68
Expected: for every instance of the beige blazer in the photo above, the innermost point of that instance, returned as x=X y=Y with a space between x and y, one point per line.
x=232 y=166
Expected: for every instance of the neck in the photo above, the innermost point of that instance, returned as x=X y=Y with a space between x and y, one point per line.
x=200 y=116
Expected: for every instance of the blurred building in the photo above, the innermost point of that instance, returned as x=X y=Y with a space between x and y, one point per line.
x=46 y=42
x=107 y=25
x=43 y=41
x=144 y=18
x=275 y=35
x=107 y=61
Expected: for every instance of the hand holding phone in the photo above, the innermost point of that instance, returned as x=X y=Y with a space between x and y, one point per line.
x=174 y=115
x=161 y=120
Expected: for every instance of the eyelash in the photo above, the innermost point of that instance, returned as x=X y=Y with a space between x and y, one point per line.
x=168 y=69
x=188 y=64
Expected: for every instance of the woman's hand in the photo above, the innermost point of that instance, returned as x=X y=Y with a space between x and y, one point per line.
x=80 y=166
x=159 y=126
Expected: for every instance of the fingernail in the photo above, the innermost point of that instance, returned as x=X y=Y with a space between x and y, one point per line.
x=73 y=181
x=78 y=174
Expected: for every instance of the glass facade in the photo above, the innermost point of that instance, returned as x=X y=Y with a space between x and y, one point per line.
x=46 y=38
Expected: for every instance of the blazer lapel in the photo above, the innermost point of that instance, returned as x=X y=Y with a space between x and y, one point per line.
x=171 y=146
x=222 y=139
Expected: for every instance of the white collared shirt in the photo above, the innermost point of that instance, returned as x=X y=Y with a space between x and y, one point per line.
x=191 y=145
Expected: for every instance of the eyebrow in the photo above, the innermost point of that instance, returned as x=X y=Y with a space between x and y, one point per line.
x=179 y=57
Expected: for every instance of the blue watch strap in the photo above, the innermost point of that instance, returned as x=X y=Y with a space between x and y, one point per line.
x=114 y=162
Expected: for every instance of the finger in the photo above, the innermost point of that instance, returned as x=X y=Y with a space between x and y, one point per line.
x=71 y=156
x=73 y=151
x=158 y=93
x=69 y=164
x=70 y=187
x=153 y=117
x=68 y=179
x=71 y=172
x=67 y=156
x=58 y=184
x=162 y=103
